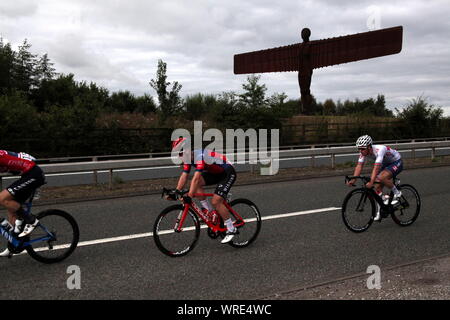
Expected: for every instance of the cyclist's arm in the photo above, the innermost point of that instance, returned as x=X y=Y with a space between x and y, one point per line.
x=375 y=171
x=357 y=172
x=182 y=181
x=381 y=151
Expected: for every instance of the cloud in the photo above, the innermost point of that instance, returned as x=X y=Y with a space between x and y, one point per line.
x=17 y=8
x=117 y=44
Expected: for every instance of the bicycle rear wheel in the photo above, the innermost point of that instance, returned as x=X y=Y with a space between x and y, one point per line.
x=358 y=210
x=408 y=209
x=248 y=232
x=171 y=242
x=61 y=234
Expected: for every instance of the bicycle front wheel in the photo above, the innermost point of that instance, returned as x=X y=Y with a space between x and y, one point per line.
x=248 y=232
x=358 y=210
x=408 y=208
x=170 y=241
x=55 y=238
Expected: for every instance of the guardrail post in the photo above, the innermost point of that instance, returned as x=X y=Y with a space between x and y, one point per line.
x=313 y=158
x=433 y=153
x=110 y=179
x=333 y=161
x=252 y=166
x=95 y=172
x=413 y=153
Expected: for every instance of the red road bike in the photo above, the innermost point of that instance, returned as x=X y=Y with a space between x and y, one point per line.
x=177 y=228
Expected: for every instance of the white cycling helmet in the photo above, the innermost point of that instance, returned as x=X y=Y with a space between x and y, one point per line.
x=364 y=141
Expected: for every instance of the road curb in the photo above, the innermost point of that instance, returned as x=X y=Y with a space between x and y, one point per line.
x=350 y=277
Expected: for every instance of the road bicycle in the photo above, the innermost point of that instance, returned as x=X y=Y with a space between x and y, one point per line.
x=359 y=206
x=177 y=228
x=54 y=227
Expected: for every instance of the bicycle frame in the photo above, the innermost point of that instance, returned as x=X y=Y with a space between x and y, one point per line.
x=386 y=208
x=15 y=241
x=378 y=199
x=214 y=227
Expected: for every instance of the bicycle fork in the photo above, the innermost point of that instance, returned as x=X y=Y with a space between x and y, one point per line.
x=362 y=202
x=180 y=220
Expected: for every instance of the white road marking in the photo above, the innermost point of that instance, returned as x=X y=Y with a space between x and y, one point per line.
x=150 y=234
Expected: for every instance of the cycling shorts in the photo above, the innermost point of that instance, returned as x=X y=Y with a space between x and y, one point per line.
x=395 y=168
x=223 y=180
x=22 y=189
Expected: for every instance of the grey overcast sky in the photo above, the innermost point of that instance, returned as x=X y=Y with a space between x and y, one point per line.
x=117 y=43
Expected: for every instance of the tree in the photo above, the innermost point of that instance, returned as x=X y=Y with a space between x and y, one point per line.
x=254 y=94
x=123 y=101
x=145 y=104
x=44 y=69
x=24 y=69
x=329 y=107
x=170 y=102
x=6 y=67
x=421 y=118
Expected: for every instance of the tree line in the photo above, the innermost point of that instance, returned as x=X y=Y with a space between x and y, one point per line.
x=52 y=114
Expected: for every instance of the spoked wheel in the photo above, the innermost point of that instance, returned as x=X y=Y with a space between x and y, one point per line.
x=55 y=238
x=408 y=208
x=248 y=232
x=358 y=210
x=171 y=242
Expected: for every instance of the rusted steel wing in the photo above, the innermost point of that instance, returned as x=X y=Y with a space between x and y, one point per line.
x=321 y=53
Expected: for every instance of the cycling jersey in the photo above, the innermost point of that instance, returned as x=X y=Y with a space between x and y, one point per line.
x=382 y=155
x=208 y=161
x=16 y=162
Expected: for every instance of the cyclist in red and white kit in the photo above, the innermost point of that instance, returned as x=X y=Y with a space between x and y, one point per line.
x=31 y=178
x=211 y=168
x=388 y=164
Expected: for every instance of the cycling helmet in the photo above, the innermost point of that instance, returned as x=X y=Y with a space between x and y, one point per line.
x=178 y=144
x=364 y=141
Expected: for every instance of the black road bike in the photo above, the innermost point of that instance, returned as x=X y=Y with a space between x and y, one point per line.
x=359 y=206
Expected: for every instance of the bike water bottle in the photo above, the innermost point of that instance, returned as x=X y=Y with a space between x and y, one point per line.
x=6 y=225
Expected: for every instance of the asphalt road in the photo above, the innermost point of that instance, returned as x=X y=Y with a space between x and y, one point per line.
x=290 y=252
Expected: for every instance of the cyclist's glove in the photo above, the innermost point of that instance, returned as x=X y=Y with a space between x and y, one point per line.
x=174 y=194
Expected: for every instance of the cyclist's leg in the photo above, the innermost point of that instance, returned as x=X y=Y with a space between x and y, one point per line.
x=200 y=186
x=388 y=175
x=385 y=177
x=11 y=205
x=221 y=193
x=390 y=172
x=217 y=202
x=20 y=191
x=204 y=181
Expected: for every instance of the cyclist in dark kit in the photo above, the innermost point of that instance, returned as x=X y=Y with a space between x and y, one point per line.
x=31 y=178
x=211 y=168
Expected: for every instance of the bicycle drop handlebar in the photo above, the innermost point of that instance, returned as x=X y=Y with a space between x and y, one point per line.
x=363 y=178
